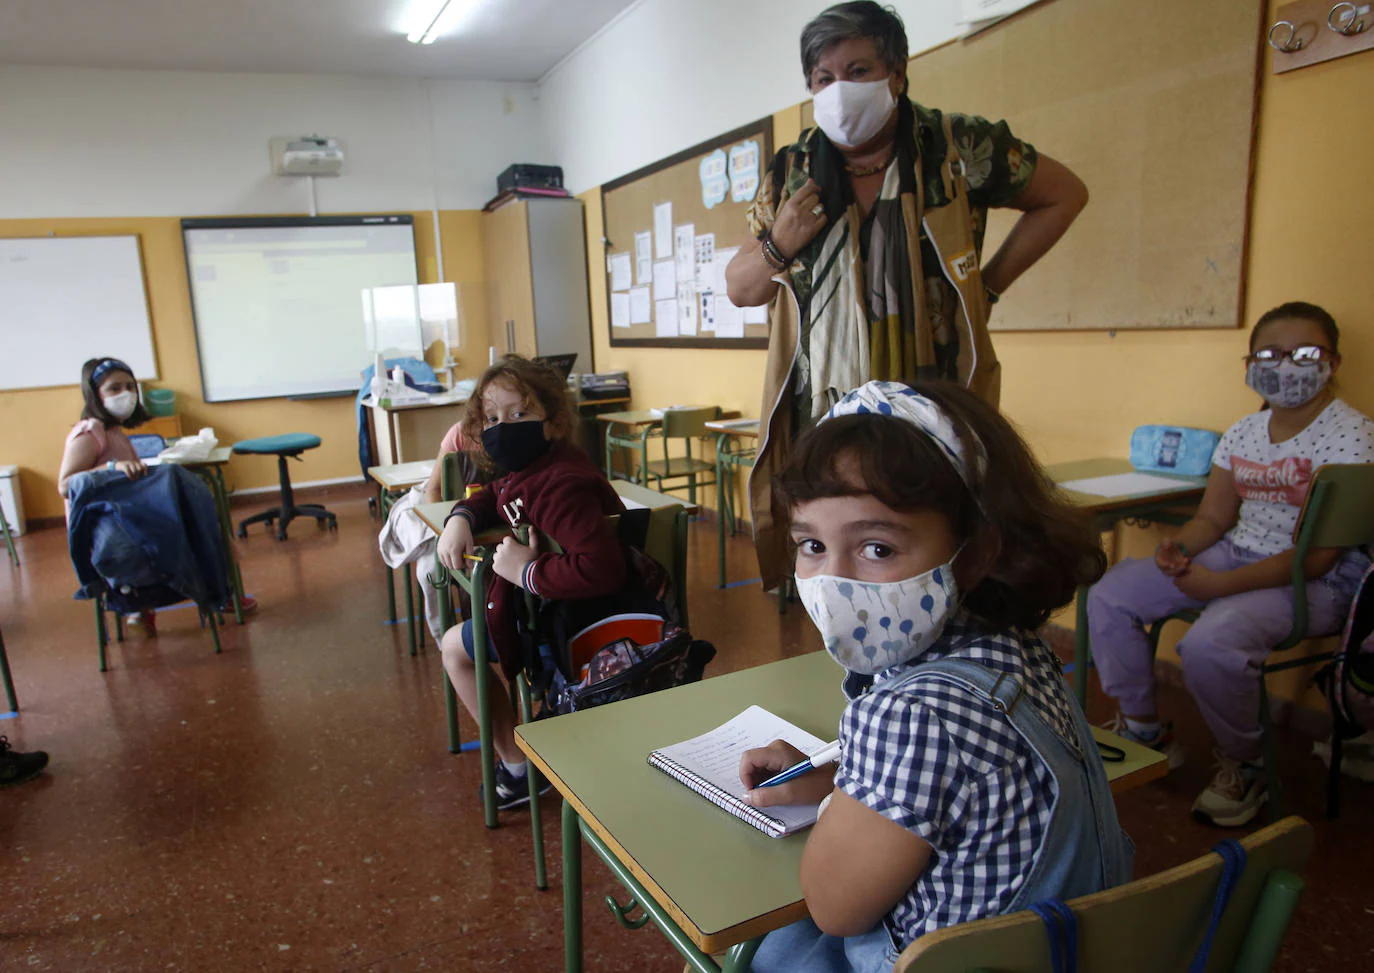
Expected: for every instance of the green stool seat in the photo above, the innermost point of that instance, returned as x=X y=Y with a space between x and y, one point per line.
x=290 y=444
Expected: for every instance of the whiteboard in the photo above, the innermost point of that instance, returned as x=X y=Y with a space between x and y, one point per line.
x=66 y=299
x=278 y=301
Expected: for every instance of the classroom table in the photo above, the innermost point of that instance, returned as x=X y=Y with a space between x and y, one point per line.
x=731 y=454
x=709 y=881
x=211 y=470
x=1155 y=505
x=411 y=432
x=393 y=481
x=638 y=425
x=632 y=494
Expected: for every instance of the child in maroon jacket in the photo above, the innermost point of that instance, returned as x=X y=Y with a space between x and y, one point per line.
x=519 y=413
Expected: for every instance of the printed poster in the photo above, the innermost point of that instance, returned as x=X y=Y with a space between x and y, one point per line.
x=715 y=182
x=744 y=171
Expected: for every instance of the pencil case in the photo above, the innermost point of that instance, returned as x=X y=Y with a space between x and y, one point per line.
x=1173 y=449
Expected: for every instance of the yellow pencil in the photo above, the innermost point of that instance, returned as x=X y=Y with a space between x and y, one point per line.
x=473 y=557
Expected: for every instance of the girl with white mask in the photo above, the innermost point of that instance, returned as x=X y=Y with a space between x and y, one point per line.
x=872 y=222
x=929 y=547
x=1233 y=561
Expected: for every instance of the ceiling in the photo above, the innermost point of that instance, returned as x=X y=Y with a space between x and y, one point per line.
x=501 y=40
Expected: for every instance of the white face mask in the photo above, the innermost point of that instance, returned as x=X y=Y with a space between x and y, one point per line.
x=121 y=405
x=852 y=112
x=1288 y=385
x=872 y=626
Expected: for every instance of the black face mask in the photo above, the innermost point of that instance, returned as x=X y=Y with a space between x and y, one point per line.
x=515 y=445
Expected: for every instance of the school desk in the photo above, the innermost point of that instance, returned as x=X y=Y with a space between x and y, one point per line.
x=632 y=494
x=631 y=430
x=709 y=881
x=731 y=454
x=211 y=470
x=393 y=481
x=1107 y=513
x=409 y=433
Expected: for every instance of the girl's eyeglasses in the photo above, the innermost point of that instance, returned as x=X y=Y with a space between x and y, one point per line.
x=1271 y=356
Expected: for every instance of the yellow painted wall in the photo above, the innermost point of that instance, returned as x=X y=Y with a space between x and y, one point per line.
x=34 y=423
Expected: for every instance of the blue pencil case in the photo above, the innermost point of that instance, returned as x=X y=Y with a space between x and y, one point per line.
x=1173 y=449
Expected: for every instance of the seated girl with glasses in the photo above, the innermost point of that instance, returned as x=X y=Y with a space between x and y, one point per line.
x=1234 y=560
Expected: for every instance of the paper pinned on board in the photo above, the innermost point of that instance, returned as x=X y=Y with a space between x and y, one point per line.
x=684 y=240
x=620 y=310
x=641 y=305
x=686 y=310
x=756 y=315
x=706 y=310
x=723 y=258
x=621 y=269
x=705 y=249
x=665 y=281
x=729 y=319
x=663 y=230
x=644 y=257
x=665 y=318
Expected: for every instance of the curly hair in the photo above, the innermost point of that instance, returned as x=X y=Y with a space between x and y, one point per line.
x=94 y=407
x=536 y=383
x=1048 y=547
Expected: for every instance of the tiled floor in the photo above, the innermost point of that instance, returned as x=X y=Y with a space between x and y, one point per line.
x=290 y=804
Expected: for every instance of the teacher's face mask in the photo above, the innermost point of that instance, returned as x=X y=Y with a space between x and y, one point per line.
x=871 y=626
x=852 y=112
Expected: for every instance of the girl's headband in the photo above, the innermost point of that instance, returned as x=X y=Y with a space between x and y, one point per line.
x=895 y=399
x=105 y=367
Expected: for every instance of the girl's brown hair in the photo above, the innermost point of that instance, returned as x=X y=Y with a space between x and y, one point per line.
x=1048 y=547
x=537 y=384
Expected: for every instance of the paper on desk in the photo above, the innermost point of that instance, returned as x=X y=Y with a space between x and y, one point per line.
x=620 y=310
x=641 y=305
x=633 y=504
x=621 y=271
x=1126 y=485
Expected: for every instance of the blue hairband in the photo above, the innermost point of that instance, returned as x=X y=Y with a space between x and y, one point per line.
x=107 y=366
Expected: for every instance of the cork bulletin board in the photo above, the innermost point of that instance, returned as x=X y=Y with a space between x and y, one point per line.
x=694 y=201
x=1153 y=106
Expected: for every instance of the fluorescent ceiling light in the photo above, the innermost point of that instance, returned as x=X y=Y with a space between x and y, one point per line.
x=439 y=17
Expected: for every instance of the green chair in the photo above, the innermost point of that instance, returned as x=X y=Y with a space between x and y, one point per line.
x=102 y=627
x=687 y=425
x=1152 y=925
x=5 y=674
x=730 y=456
x=1338 y=512
x=9 y=537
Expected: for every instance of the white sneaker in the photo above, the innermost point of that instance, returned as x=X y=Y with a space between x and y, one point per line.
x=1164 y=741
x=1357 y=756
x=1234 y=796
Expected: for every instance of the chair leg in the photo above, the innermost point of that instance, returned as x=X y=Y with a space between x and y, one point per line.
x=9 y=539
x=1278 y=901
x=541 y=877
x=1270 y=751
x=9 y=679
x=410 y=607
x=417 y=619
x=102 y=635
x=1082 y=647
x=1333 y=776
x=479 y=642
x=214 y=629
x=391 y=594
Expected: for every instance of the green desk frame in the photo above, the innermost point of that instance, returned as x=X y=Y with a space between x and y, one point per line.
x=731 y=455
x=641 y=425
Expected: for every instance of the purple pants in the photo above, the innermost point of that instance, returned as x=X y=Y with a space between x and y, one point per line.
x=1221 y=652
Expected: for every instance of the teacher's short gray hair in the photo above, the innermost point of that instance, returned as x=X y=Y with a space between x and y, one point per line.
x=846 y=21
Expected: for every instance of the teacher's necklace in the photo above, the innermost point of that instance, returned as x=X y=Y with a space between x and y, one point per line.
x=861 y=171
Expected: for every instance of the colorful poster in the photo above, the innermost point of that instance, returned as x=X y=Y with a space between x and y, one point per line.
x=744 y=171
x=715 y=182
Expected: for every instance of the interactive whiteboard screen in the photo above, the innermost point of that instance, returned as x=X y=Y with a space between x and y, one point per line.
x=277 y=302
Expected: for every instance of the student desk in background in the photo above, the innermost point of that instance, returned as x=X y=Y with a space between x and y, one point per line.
x=709 y=881
x=393 y=482
x=408 y=433
x=736 y=441
x=1152 y=504
x=211 y=470
x=631 y=430
x=631 y=494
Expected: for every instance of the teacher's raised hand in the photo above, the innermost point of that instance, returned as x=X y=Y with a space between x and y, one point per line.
x=800 y=220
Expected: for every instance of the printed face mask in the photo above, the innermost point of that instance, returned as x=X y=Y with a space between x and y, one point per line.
x=121 y=405
x=868 y=627
x=515 y=445
x=852 y=112
x=1288 y=385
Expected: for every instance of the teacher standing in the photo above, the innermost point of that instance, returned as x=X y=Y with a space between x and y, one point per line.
x=872 y=224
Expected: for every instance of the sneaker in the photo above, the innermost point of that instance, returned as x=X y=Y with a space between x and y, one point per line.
x=248 y=603
x=1357 y=756
x=16 y=767
x=1234 y=796
x=1164 y=741
x=142 y=623
x=513 y=791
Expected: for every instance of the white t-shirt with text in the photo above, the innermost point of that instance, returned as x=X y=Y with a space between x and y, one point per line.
x=1272 y=478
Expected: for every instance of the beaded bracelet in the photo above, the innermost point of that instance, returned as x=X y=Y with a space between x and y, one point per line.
x=772 y=254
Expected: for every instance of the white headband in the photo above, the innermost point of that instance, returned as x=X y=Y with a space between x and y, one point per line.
x=895 y=399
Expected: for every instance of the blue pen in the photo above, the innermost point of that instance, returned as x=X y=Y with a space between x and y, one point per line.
x=825 y=755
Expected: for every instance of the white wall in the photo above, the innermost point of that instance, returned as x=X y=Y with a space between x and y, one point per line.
x=672 y=73
x=94 y=143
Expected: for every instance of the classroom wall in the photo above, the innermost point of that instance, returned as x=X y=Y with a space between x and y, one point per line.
x=98 y=151
x=670 y=74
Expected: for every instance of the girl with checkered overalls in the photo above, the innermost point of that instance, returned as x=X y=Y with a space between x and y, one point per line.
x=929 y=549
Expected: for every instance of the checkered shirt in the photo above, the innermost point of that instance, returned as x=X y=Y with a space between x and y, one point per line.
x=945 y=764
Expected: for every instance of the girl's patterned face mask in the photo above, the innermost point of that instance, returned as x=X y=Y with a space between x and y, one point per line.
x=1288 y=384
x=872 y=626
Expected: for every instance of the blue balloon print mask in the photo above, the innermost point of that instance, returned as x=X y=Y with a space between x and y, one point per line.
x=872 y=626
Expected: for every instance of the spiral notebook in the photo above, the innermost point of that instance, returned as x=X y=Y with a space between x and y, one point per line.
x=709 y=765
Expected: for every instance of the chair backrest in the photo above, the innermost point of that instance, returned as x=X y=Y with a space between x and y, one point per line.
x=451 y=485
x=666 y=543
x=1151 y=925
x=1339 y=509
x=688 y=423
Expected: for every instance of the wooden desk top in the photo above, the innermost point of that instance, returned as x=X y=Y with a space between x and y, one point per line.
x=401 y=475
x=722 y=881
x=435 y=401
x=1084 y=469
x=434 y=514
x=647 y=417
x=735 y=427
